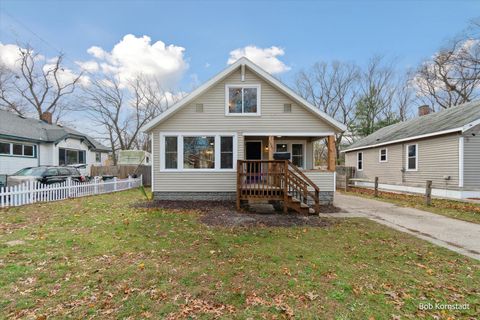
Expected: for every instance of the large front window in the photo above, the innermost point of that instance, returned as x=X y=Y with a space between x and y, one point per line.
x=71 y=156
x=243 y=100
x=198 y=152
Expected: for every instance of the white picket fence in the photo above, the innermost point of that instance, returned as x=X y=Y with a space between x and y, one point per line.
x=34 y=192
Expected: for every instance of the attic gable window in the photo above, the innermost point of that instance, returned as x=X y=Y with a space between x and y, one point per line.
x=242 y=100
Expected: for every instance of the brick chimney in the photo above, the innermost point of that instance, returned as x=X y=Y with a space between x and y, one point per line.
x=424 y=110
x=46 y=117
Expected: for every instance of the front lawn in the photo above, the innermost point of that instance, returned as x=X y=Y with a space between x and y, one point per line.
x=451 y=208
x=99 y=257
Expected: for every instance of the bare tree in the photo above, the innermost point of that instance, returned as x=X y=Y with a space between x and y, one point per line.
x=375 y=107
x=333 y=88
x=120 y=111
x=37 y=85
x=452 y=76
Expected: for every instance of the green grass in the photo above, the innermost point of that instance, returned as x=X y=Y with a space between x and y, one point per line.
x=450 y=208
x=100 y=257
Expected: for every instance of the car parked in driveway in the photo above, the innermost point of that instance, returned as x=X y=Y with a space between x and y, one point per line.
x=45 y=175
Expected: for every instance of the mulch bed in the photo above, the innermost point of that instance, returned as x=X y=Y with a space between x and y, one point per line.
x=224 y=213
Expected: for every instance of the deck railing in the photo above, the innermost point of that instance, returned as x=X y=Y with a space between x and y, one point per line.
x=275 y=180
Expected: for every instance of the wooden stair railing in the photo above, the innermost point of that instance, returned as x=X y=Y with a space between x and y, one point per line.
x=276 y=180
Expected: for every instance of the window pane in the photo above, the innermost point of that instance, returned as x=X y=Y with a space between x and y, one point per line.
x=61 y=156
x=360 y=156
x=72 y=157
x=171 y=144
x=28 y=150
x=412 y=163
x=98 y=157
x=360 y=165
x=171 y=153
x=4 y=148
x=282 y=147
x=81 y=156
x=198 y=152
x=226 y=159
x=235 y=100
x=297 y=149
x=227 y=144
x=17 y=149
x=250 y=100
x=297 y=160
x=412 y=151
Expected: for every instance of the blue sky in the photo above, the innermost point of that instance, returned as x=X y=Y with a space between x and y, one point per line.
x=307 y=31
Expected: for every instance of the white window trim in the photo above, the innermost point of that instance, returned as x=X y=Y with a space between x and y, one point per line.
x=289 y=149
x=363 y=161
x=416 y=157
x=217 y=158
x=380 y=155
x=35 y=150
x=259 y=99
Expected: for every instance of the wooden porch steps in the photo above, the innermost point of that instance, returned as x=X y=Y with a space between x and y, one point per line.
x=277 y=180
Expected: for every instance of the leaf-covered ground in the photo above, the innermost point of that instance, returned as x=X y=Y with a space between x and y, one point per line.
x=461 y=210
x=100 y=257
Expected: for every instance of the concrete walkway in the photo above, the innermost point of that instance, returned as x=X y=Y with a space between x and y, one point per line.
x=456 y=235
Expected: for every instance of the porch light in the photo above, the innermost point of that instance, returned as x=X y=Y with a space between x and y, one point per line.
x=266 y=148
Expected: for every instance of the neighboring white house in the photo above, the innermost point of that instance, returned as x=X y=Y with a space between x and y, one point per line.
x=243 y=113
x=134 y=157
x=26 y=142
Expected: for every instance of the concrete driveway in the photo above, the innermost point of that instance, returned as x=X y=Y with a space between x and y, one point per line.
x=456 y=235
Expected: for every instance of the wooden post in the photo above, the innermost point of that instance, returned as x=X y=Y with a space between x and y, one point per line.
x=428 y=193
x=239 y=182
x=271 y=147
x=332 y=153
x=272 y=167
x=376 y=187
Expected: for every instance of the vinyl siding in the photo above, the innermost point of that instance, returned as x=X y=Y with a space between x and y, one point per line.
x=325 y=180
x=213 y=119
x=437 y=158
x=472 y=162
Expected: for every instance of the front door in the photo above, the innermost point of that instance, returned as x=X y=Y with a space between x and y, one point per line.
x=253 y=151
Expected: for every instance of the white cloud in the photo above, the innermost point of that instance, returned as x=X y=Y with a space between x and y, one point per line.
x=267 y=58
x=89 y=66
x=134 y=56
x=10 y=56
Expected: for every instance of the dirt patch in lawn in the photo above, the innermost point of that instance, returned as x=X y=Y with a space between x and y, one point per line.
x=224 y=213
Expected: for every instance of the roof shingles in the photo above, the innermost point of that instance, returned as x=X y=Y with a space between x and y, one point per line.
x=450 y=119
x=32 y=129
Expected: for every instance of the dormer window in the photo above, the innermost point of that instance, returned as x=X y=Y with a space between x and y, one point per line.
x=242 y=100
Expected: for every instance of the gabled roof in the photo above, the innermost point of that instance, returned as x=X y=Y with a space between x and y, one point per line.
x=456 y=119
x=261 y=73
x=17 y=127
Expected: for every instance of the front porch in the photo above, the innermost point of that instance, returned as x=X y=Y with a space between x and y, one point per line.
x=298 y=181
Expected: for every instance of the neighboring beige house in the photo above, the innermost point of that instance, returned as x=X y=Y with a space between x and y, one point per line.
x=443 y=147
x=243 y=113
x=134 y=157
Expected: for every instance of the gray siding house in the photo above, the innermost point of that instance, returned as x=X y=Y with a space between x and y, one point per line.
x=243 y=113
x=26 y=142
x=443 y=147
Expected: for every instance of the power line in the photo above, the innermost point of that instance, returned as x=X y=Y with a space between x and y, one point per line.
x=58 y=51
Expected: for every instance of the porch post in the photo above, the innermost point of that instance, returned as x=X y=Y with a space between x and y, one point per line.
x=271 y=147
x=332 y=153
